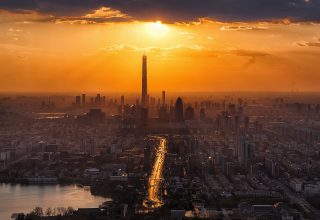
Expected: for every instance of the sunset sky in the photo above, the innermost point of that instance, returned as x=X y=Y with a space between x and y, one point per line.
x=192 y=45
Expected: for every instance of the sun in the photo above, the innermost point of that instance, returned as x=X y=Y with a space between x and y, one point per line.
x=156 y=29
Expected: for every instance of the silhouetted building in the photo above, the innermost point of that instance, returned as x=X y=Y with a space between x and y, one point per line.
x=144 y=95
x=82 y=145
x=144 y=115
x=189 y=113
x=51 y=148
x=202 y=114
x=122 y=101
x=246 y=123
x=163 y=98
x=272 y=166
x=78 y=100
x=121 y=108
x=92 y=146
x=96 y=114
x=245 y=151
x=178 y=110
x=163 y=115
x=83 y=99
x=236 y=123
x=219 y=122
x=98 y=99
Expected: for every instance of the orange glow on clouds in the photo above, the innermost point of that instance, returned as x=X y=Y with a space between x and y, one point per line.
x=73 y=55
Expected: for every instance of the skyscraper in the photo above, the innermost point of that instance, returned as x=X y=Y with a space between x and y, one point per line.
x=245 y=150
x=92 y=146
x=144 y=95
x=78 y=100
x=121 y=105
x=189 y=113
x=202 y=114
x=82 y=145
x=83 y=99
x=178 y=110
x=122 y=101
x=163 y=98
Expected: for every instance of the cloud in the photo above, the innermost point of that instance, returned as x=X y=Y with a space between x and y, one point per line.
x=249 y=53
x=309 y=44
x=105 y=13
x=23 y=16
x=253 y=56
x=174 y=10
x=185 y=50
x=73 y=21
x=101 y=15
x=179 y=50
x=242 y=28
x=313 y=44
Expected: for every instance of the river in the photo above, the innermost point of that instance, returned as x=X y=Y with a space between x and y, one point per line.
x=16 y=198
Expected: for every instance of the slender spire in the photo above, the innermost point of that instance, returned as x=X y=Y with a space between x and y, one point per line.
x=144 y=95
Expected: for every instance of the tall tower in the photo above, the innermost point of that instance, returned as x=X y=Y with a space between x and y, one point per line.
x=163 y=98
x=144 y=95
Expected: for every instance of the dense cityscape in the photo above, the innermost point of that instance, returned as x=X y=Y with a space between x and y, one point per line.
x=229 y=155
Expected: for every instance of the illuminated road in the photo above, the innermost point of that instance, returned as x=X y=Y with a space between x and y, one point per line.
x=154 y=191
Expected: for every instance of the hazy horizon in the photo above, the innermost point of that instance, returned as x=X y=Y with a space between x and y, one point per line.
x=157 y=93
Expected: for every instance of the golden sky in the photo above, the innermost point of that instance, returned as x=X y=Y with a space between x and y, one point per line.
x=75 y=55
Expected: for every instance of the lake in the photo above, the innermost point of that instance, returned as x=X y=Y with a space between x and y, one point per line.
x=17 y=198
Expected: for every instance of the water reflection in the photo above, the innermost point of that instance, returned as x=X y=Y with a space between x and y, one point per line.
x=23 y=198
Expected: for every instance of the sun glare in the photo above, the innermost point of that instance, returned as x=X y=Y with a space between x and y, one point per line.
x=157 y=29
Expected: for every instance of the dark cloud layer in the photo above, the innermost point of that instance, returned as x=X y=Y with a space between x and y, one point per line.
x=178 y=10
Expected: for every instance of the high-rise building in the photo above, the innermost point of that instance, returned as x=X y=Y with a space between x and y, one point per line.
x=83 y=99
x=246 y=123
x=245 y=151
x=122 y=101
x=178 y=110
x=78 y=100
x=163 y=98
x=144 y=115
x=144 y=95
x=92 y=146
x=273 y=167
x=236 y=123
x=98 y=100
x=82 y=145
x=202 y=114
x=121 y=109
x=189 y=113
x=163 y=115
